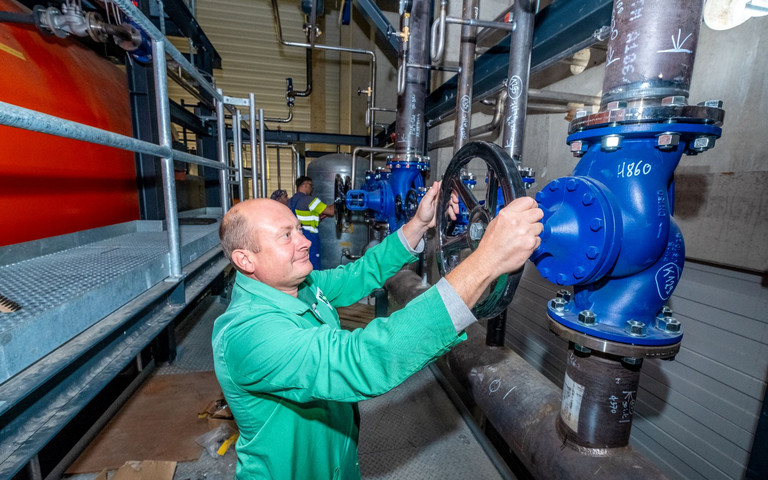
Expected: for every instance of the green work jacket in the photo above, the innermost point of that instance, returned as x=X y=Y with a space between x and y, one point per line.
x=292 y=376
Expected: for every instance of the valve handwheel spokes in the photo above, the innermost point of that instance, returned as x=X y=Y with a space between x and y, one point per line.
x=504 y=184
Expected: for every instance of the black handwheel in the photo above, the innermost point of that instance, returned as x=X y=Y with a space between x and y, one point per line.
x=453 y=247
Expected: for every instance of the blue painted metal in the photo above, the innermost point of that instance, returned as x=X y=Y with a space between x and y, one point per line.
x=385 y=30
x=609 y=231
x=564 y=27
x=390 y=195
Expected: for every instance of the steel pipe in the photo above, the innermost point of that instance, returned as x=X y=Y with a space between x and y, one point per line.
x=517 y=77
x=488 y=127
x=462 y=127
x=410 y=128
x=169 y=178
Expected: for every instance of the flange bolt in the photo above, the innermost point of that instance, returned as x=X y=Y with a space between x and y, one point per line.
x=635 y=328
x=564 y=294
x=558 y=304
x=668 y=324
x=587 y=317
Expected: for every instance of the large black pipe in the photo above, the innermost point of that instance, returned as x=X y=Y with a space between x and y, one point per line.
x=651 y=49
x=410 y=131
x=524 y=407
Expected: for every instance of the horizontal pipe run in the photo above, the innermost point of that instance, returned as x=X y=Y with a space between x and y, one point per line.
x=149 y=28
x=536 y=94
x=26 y=119
x=523 y=406
x=480 y=23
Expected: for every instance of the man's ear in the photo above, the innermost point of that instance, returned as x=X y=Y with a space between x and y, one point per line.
x=244 y=261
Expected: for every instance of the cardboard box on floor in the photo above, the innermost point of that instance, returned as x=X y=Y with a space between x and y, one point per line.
x=146 y=470
x=217 y=412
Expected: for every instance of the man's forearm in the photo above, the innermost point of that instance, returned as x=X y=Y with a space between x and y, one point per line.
x=470 y=278
x=413 y=231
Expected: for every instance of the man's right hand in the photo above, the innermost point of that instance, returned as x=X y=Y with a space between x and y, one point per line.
x=509 y=240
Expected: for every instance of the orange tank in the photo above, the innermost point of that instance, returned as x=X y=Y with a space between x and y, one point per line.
x=51 y=185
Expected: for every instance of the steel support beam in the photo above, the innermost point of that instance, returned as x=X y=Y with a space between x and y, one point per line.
x=384 y=29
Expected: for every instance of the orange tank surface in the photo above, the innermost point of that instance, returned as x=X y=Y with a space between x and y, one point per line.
x=51 y=185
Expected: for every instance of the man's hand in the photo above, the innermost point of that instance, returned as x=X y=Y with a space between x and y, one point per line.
x=509 y=240
x=426 y=215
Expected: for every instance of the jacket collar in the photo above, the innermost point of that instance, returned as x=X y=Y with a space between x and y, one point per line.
x=275 y=297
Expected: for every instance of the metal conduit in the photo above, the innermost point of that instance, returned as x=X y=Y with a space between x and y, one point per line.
x=223 y=153
x=237 y=140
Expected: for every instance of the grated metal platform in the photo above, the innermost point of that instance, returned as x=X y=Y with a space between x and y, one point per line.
x=66 y=284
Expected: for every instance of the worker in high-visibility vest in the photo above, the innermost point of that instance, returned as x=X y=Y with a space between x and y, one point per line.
x=310 y=210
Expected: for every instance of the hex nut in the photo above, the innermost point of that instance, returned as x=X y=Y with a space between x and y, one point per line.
x=564 y=294
x=558 y=304
x=701 y=144
x=587 y=317
x=610 y=143
x=635 y=328
x=668 y=140
x=665 y=311
x=712 y=103
x=668 y=324
x=581 y=348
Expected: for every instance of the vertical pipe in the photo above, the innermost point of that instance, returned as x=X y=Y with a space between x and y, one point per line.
x=467 y=65
x=410 y=135
x=295 y=165
x=262 y=154
x=237 y=140
x=517 y=77
x=169 y=180
x=496 y=330
x=223 y=154
x=651 y=50
x=252 y=134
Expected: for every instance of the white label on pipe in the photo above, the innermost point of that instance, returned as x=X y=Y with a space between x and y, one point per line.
x=569 y=410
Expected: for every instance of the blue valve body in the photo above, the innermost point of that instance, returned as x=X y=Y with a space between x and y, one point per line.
x=609 y=231
x=384 y=190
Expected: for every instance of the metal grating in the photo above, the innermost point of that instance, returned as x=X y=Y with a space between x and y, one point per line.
x=63 y=293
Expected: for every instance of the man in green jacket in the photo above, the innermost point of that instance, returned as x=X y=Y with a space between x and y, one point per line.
x=291 y=375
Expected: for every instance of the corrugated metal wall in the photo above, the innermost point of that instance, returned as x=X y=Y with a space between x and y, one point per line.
x=253 y=61
x=695 y=415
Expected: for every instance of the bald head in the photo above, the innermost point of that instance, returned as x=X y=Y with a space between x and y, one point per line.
x=240 y=225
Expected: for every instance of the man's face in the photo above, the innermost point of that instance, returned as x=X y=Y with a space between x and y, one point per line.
x=283 y=259
x=306 y=188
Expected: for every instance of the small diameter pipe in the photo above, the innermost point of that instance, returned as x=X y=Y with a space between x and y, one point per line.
x=488 y=127
x=474 y=22
x=223 y=154
x=262 y=154
x=462 y=127
x=372 y=150
x=252 y=134
x=166 y=140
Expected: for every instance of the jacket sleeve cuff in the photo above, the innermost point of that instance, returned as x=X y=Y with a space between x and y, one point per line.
x=413 y=251
x=461 y=316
